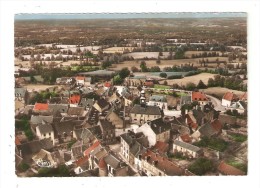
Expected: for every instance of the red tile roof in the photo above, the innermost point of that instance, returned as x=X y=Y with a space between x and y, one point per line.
x=186 y=138
x=87 y=151
x=74 y=99
x=17 y=141
x=227 y=169
x=230 y=96
x=82 y=161
x=107 y=84
x=148 y=83
x=162 y=147
x=216 y=124
x=244 y=96
x=80 y=78
x=41 y=106
x=102 y=164
x=198 y=96
x=191 y=123
x=163 y=164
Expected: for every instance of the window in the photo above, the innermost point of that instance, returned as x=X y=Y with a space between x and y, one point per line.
x=49 y=134
x=44 y=134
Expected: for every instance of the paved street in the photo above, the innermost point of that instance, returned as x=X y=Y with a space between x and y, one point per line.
x=217 y=103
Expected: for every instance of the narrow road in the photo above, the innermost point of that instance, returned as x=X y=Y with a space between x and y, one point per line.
x=217 y=103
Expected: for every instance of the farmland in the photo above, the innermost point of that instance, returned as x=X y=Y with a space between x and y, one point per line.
x=194 y=79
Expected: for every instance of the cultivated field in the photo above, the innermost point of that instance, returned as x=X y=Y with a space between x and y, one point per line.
x=220 y=91
x=194 y=79
x=189 y=53
x=113 y=50
x=165 y=63
x=141 y=55
x=39 y=87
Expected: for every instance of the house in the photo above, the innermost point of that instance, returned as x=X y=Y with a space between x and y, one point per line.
x=115 y=166
x=131 y=145
x=226 y=169
x=58 y=109
x=135 y=81
x=149 y=84
x=185 y=100
x=40 y=107
x=101 y=105
x=191 y=121
x=210 y=129
x=142 y=113
x=86 y=103
x=87 y=81
x=155 y=165
x=156 y=130
x=76 y=112
x=80 y=80
x=45 y=130
x=158 y=100
x=107 y=131
x=82 y=165
x=107 y=85
x=28 y=149
x=74 y=100
x=21 y=94
x=115 y=119
x=65 y=81
x=200 y=97
x=186 y=149
x=96 y=156
x=48 y=159
x=161 y=147
x=228 y=99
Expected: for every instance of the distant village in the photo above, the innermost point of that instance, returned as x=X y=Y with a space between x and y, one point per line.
x=85 y=128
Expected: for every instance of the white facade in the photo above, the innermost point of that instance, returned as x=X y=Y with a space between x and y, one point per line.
x=143 y=118
x=147 y=131
x=161 y=105
x=226 y=103
x=45 y=135
x=194 y=154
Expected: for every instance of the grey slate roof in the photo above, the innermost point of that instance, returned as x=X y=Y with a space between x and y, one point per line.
x=185 y=100
x=20 y=92
x=58 y=108
x=148 y=110
x=76 y=111
x=114 y=162
x=207 y=130
x=158 y=126
x=87 y=103
x=158 y=98
x=35 y=146
x=186 y=145
x=65 y=126
x=45 y=128
x=39 y=119
x=106 y=125
x=102 y=103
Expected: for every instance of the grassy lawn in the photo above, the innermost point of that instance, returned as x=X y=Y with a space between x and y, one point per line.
x=180 y=94
x=238 y=165
x=238 y=137
x=213 y=143
x=157 y=86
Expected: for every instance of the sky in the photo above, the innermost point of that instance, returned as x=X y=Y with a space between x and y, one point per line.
x=128 y=15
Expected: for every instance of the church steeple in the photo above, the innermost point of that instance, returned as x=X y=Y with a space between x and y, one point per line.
x=142 y=99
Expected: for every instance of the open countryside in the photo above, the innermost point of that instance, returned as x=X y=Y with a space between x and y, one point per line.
x=126 y=97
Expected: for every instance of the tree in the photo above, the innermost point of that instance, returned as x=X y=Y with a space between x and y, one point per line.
x=190 y=86
x=117 y=80
x=201 y=166
x=158 y=61
x=211 y=82
x=155 y=69
x=163 y=75
x=124 y=72
x=165 y=82
x=143 y=66
x=201 y=85
x=134 y=69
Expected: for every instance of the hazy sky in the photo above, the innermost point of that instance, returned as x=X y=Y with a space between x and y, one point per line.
x=127 y=15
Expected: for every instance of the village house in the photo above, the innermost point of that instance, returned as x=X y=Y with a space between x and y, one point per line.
x=115 y=119
x=45 y=130
x=142 y=113
x=229 y=98
x=40 y=108
x=158 y=100
x=74 y=100
x=115 y=166
x=156 y=130
x=107 y=131
x=82 y=165
x=200 y=97
x=209 y=129
x=48 y=159
x=21 y=94
x=155 y=165
x=226 y=169
x=101 y=105
x=186 y=149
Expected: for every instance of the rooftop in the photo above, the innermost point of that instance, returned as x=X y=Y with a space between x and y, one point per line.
x=149 y=110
